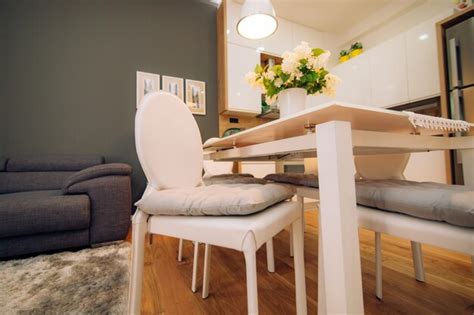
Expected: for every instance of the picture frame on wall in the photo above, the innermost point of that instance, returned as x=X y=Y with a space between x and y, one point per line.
x=174 y=86
x=146 y=83
x=196 y=96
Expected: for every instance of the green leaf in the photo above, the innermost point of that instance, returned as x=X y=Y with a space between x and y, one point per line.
x=318 y=51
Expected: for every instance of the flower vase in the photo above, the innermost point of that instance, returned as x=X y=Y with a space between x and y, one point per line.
x=291 y=101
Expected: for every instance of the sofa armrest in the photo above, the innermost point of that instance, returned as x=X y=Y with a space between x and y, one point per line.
x=111 y=169
x=111 y=203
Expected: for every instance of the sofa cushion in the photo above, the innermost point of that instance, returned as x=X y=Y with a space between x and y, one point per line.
x=453 y=204
x=11 y=182
x=238 y=199
x=3 y=164
x=308 y=180
x=111 y=169
x=52 y=163
x=28 y=213
x=233 y=179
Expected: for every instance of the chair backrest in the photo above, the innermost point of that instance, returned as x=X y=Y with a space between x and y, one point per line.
x=168 y=142
x=387 y=166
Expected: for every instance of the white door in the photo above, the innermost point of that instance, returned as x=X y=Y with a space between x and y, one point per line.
x=388 y=70
x=241 y=97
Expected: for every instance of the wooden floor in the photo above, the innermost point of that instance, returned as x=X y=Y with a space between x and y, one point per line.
x=449 y=286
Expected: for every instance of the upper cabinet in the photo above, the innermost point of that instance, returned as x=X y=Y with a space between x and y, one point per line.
x=400 y=70
x=388 y=71
x=422 y=60
x=241 y=97
x=355 y=86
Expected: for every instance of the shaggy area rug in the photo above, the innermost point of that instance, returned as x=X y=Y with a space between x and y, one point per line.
x=90 y=281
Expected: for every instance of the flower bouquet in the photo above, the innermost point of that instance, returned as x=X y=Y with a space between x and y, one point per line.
x=302 y=72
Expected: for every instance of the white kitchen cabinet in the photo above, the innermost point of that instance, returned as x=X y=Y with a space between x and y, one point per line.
x=257 y=169
x=422 y=61
x=241 y=97
x=355 y=86
x=388 y=71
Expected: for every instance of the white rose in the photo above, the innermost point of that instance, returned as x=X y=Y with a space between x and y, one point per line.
x=270 y=75
x=270 y=100
x=303 y=51
x=331 y=82
x=278 y=82
x=251 y=78
x=290 y=63
x=320 y=61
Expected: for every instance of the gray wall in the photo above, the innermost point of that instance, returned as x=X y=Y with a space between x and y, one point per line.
x=71 y=71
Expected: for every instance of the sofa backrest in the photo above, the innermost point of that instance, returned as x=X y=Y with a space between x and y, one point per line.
x=42 y=172
x=3 y=164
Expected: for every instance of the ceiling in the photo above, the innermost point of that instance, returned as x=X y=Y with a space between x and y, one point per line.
x=333 y=16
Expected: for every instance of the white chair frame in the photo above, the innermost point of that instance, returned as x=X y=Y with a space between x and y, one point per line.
x=155 y=119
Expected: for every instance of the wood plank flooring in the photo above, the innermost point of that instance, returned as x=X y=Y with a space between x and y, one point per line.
x=449 y=286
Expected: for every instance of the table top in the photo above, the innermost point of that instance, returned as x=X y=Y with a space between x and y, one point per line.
x=361 y=118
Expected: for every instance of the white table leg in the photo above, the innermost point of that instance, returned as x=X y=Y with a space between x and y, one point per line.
x=340 y=237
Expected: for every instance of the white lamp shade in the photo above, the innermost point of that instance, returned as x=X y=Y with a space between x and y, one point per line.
x=257 y=19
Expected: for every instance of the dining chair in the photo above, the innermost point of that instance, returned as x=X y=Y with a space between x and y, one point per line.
x=389 y=166
x=218 y=172
x=390 y=204
x=239 y=217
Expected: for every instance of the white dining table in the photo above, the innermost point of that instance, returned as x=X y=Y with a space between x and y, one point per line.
x=335 y=132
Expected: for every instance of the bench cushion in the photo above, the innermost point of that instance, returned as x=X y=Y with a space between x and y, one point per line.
x=220 y=199
x=453 y=204
x=308 y=180
x=28 y=213
x=233 y=179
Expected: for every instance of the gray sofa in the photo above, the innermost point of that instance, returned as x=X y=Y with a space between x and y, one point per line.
x=52 y=203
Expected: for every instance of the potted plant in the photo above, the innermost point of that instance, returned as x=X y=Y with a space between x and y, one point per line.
x=343 y=56
x=302 y=72
x=356 y=49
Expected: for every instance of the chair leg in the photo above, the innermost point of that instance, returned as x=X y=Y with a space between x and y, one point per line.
x=195 y=267
x=252 y=292
x=207 y=270
x=150 y=238
x=291 y=240
x=139 y=229
x=472 y=265
x=270 y=256
x=180 y=250
x=378 y=265
x=417 y=254
x=300 y=281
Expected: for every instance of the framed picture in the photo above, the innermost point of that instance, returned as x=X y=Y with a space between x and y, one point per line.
x=146 y=83
x=196 y=96
x=174 y=86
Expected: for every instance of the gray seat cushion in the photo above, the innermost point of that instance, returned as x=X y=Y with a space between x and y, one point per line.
x=233 y=179
x=28 y=213
x=238 y=199
x=453 y=204
x=308 y=180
